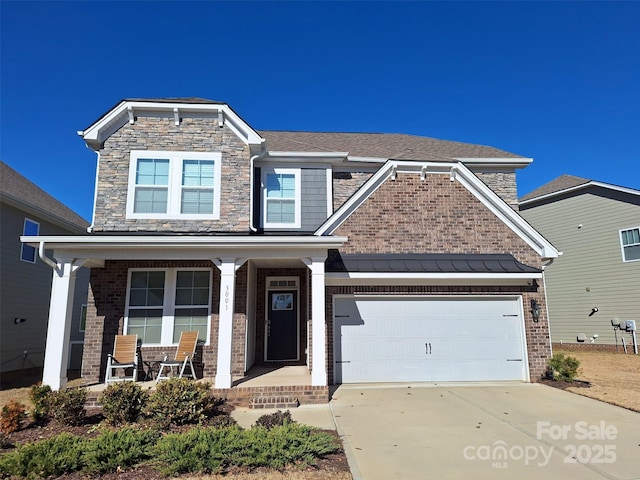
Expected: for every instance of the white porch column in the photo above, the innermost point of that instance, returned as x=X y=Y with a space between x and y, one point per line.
x=228 y=267
x=59 y=328
x=318 y=326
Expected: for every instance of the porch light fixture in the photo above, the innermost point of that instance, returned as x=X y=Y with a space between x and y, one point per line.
x=535 y=310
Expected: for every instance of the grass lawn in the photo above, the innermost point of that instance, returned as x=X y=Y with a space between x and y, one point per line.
x=614 y=377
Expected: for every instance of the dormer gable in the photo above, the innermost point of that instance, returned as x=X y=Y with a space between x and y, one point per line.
x=128 y=110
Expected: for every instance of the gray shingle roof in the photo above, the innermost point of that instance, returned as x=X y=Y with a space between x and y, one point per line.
x=559 y=184
x=17 y=189
x=427 y=263
x=381 y=145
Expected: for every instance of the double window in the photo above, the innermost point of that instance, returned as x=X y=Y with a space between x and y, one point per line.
x=27 y=252
x=181 y=185
x=162 y=303
x=281 y=197
x=630 y=241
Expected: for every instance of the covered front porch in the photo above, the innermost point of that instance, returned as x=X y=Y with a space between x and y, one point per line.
x=266 y=323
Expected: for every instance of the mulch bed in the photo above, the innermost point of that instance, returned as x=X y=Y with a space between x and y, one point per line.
x=564 y=385
x=331 y=463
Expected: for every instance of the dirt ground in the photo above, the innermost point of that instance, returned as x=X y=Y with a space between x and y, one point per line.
x=614 y=377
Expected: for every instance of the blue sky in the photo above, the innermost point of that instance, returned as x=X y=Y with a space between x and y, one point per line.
x=559 y=82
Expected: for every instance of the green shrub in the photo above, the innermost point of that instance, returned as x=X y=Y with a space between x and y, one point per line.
x=120 y=449
x=563 y=368
x=288 y=444
x=39 y=396
x=67 y=406
x=180 y=401
x=56 y=456
x=209 y=450
x=201 y=450
x=11 y=416
x=123 y=402
x=275 y=419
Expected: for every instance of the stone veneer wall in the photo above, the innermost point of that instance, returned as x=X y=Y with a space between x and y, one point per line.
x=504 y=184
x=106 y=311
x=408 y=215
x=345 y=184
x=160 y=133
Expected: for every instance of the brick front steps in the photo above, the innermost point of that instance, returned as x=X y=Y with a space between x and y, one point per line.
x=257 y=397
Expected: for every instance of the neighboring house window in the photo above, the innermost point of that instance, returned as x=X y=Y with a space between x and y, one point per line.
x=281 y=187
x=630 y=240
x=27 y=252
x=162 y=303
x=83 y=318
x=180 y=185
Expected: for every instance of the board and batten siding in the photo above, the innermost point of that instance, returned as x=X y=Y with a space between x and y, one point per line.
x=591 y=271
x=25 y=292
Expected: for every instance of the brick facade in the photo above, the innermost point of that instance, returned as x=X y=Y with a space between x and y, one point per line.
x=106 y=312
x=160 y=133
x=409 y=215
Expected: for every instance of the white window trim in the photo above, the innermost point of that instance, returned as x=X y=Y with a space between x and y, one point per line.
x=22 y=246
x=168 y=303
x=297 y=200
x=174 y=189
x=624 y=258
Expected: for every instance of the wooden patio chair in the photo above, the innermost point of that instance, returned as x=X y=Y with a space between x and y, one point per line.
x=125 y=355
x=183 y=357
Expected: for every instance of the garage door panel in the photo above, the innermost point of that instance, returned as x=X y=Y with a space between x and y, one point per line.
x=391 y=339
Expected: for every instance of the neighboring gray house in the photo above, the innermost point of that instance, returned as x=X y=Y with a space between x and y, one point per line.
x=25 y=281
x=596 y=226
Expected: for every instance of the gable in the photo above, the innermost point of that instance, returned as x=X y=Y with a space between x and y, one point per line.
x=428 y=211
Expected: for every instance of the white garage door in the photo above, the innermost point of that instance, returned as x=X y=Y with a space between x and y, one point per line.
x=428 y=339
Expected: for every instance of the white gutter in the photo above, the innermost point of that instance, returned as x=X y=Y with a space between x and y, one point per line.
x=204 y=241
x=95 y=191
x=252 y=187
x=46 y=259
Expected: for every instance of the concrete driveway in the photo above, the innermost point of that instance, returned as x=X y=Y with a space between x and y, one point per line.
x=523 y=431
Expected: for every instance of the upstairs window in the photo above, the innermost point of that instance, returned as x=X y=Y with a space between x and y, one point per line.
x=630 y=241
x=179 y=185
x=281 y=197
x=27 y=252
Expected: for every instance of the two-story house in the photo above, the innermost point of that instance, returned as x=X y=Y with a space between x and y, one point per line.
x=362 y=257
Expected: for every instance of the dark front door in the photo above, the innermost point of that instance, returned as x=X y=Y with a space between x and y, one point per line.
x=282 y=326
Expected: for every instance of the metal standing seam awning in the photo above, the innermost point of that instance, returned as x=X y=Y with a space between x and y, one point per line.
x=429 y=267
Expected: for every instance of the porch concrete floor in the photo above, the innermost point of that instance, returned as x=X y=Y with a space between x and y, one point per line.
x=265 y=376
x=257 y=376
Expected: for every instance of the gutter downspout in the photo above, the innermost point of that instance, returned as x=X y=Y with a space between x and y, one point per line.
x=546 y=302
x=95 y=194
x=46 y=259
x=251 y=189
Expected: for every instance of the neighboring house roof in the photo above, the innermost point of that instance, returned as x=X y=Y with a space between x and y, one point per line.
x=21 y=193
x=566 y=184
x=379 y=145
x=429 y=262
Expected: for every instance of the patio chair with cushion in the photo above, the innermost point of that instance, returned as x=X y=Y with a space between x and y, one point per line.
x=183 y=357
x=125 y=356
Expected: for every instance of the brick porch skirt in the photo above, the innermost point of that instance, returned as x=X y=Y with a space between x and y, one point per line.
x=258 y=397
